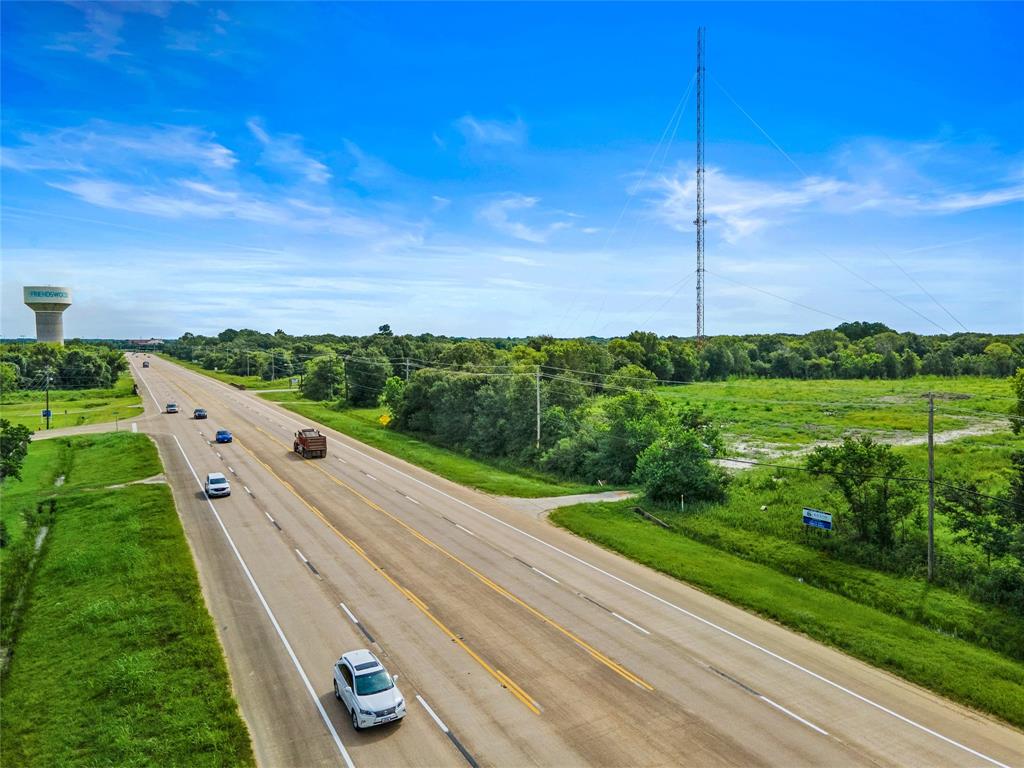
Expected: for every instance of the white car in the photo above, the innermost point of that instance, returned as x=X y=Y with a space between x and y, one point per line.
x=366 y=689
x=217 y=485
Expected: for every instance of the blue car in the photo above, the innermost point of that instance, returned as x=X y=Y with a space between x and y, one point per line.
x=223 y=436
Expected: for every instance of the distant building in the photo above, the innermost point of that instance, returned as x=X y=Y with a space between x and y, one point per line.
x=145 y=342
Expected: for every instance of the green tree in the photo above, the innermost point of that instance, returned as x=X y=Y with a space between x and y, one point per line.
x=366 y=371
x=393 y=397
x=324 y=379
x=986 y=523
x=678 y=465
x=1017 y=415
x=8 y=377
x=865 y=472
x=631 y=376
x=999 y=358
x=14 y=440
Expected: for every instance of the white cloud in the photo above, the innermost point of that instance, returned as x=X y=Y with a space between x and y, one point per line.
x=98 y=145
x=524 y=260
x=284 y=153
x=101 y=39
x=498 y=212
x=491 y=132
x=440 y=203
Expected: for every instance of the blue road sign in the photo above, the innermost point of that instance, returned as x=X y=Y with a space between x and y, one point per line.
x=47 y=414
x=815 y=518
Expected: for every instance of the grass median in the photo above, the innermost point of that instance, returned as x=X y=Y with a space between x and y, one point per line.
x=116 y=661
x=364 y=425
x=964 y=672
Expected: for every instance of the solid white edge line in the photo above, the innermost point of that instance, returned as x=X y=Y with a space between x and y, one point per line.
x=636 y=626
x=795 y=716
x=348 y=613
x=268 y=516
x=694 y=616
x=546 y=576
x=663 y=601
x=430 y=712
x=273 y=620
x=302 y=557
x=466 y=530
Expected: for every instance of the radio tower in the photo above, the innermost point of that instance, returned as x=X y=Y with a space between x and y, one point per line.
x=700 y=221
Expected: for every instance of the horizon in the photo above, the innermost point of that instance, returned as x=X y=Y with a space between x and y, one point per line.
x=328 y=168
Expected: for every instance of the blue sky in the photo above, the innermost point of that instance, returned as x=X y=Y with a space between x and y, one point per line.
x=511 y=169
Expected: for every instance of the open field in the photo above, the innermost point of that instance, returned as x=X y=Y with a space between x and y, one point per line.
x=72 y=407
x=143 y=682
x=775 y=416
x=364 y=424
x=928 y=656
x=249 y=382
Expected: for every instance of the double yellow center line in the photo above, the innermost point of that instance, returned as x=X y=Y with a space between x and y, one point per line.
x=497 y=674
x=610 y=663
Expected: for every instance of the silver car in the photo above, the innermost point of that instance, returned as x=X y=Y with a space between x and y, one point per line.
x=217 y=485
x=366 y=689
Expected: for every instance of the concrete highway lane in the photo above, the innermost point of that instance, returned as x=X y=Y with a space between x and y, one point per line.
x=516 y=643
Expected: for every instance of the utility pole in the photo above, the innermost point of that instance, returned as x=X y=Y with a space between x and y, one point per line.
x=272 y=372
x=407 y=369
x=700 y=221
x=47 y=398
x=247 y=362
x=931 y=485
x=538 y=407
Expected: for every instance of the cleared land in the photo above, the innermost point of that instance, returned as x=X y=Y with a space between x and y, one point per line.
x=364 y=425
x=72 y=407
x=772 y=417
x=116 y=662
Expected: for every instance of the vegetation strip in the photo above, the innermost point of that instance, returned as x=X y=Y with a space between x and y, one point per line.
x=966 y=673
x=364 y=425
x=144 y=682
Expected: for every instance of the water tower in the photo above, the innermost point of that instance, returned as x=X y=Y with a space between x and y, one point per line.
x=49 y=303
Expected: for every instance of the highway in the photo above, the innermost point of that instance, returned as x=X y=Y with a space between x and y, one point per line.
x=516 y=643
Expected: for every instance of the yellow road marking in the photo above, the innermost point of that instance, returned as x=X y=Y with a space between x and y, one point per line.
x=502 y=678
x=610 y=663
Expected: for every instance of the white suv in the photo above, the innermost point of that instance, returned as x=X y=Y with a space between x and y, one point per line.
x=366 y=689
x=217 y=485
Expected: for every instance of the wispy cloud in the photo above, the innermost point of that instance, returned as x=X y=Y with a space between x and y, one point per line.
x=101 y=39
x=524 y=260
x=491 y=132
x=899 y=180
x=284 y=153
x=98 y=145
x=498 y=213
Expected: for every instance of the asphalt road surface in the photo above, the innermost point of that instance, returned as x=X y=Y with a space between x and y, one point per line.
x=516 y=643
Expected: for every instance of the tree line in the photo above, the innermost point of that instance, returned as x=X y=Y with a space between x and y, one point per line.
x=75 y=365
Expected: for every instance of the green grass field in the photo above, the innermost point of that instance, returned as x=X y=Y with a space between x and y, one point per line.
x=785 y=414
x=250 y=382
x=364 y=425
x=927 y=656
x=116 y=661
x=72 y=407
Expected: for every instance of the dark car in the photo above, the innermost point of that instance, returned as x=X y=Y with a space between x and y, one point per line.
x=145 y=363
x=223 y=436
x=199 y=413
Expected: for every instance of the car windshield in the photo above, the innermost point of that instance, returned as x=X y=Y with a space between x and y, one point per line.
x=218 y=481
x=223 y=433
x=367 y=685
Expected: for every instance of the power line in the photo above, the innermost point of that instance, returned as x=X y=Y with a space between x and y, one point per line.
x=781 y=298
x=923 y=289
